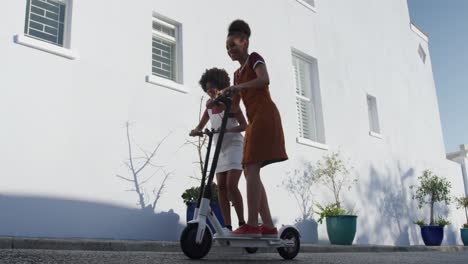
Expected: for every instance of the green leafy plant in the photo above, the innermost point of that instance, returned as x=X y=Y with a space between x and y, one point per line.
x=329 y=210
x=334 y=174
x=462 y=202
x=191 y=195
x=442 y=221
x=299 y=183
x=420 y=223
x=432 y=189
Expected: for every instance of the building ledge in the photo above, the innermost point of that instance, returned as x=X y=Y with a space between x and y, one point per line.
x=44 y=46
x=311 y=143
x=419 y=32
x=166 y=83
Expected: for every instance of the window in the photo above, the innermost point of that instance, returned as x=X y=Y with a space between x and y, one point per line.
x=45 y=20
x=47 y=27
x=308 y=3
x=308 y=101
x=422 y=53
x=166 y=55
x=373 y=115
x=164 y=49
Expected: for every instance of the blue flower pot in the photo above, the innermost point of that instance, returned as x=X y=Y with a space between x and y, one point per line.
x=432 y=235
x=464 y=236
x=214 y=206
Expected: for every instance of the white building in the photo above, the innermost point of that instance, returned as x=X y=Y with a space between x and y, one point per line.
x=73 y=72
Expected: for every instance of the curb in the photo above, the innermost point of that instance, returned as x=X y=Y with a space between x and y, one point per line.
x=173 y=246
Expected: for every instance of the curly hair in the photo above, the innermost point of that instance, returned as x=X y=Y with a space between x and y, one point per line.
x=218 y=78
x=239 y=27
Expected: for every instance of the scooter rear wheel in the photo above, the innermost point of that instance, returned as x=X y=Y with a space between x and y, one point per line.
x=190 y=248
x=290 y=252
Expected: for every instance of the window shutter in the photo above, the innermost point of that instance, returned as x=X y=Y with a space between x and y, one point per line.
x=304 y=107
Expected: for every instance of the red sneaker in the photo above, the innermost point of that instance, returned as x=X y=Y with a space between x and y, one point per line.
x=247 y=231
x=269 y=232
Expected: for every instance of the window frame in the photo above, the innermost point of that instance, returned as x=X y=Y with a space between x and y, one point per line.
x=373 y=116
x=315 y=101
x=422 y=53
x=175 y=84
x=65 y=50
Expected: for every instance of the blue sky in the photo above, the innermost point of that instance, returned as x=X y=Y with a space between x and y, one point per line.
x=446 y=23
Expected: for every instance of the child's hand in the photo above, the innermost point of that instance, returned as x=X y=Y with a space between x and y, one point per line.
x=194 y=132
x=209 y=103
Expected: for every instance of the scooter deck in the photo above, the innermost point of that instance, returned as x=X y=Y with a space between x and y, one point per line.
x=260 y=242
x=273 y=239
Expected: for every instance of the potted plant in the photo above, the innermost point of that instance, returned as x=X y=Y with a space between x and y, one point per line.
x=462 y=202
x=190 y=197
x=299 y=184
x=334 y=173
x=432 y=189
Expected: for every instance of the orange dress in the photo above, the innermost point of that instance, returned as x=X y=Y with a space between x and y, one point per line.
x=264 y=138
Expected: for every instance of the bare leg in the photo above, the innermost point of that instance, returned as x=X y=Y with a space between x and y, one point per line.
x=223 y=197
x=256 y=196
x=233 y=177
x=265 y=210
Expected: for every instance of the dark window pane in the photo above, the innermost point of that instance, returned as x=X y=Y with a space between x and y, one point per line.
x=50 y=30
x=46 y=6
x=60 y=34
x=54 y=3
x=162 y=73
x=43 y=20
x=51 y=15
x=162 y=47
x=43 y=36
x=62 y=13
x=35 y=25
x=37 y=11
x=161 y=59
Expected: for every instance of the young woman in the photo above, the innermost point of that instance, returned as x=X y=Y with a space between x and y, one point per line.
x=264 y=139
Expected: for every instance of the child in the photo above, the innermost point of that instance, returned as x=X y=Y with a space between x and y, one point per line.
x=229 y=167
x=264 y=139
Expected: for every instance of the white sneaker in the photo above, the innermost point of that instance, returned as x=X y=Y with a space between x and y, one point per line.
x=226 y=232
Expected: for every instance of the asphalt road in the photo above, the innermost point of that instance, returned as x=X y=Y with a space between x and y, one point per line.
x=102 y=257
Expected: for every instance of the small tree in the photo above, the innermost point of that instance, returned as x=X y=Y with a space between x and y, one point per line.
x=299 y=183
x=136 y=167
x=462 y=202
x=432 y=189
x=334 y=174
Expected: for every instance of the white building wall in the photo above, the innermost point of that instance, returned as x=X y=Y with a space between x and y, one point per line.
x=64 y=120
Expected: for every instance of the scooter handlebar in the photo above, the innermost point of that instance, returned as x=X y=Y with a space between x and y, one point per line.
x=206 y=132
x=222 y=98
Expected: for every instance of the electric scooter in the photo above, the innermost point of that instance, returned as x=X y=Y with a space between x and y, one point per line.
x=196 y=239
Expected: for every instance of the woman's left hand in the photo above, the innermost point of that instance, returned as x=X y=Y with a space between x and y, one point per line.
x=232 y=90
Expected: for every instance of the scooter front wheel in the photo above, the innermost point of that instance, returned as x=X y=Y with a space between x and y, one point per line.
x=188 y=242
x=292 y=235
